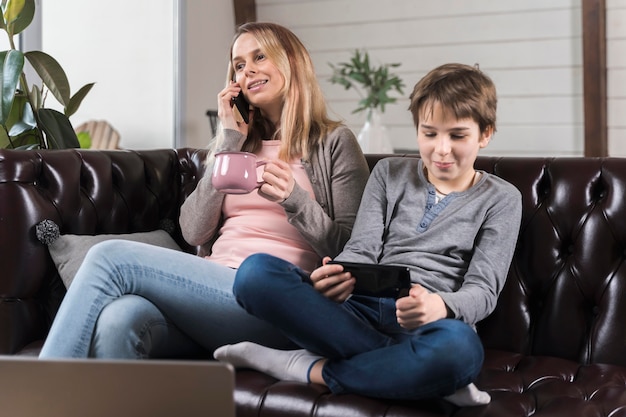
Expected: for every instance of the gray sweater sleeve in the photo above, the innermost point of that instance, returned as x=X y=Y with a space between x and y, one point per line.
x=490 y=261
x=338 y=174
x=201 y=213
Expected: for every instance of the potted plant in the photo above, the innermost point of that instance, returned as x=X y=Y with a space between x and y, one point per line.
x=373 y=84
x=25 y=122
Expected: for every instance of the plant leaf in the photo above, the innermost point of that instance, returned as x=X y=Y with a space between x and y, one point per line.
x=359 y=77
x=23 y=126
x=84 y=138
x=28 y=147
x=35 y=97
x=58 y=129
x=4 y=139
x=12 y=65
x=12 y=11
x=26 y=122
x=25 y=17
x=15 y=115
x=25 y=140
x=76 y=99
x=51 y=74
x=372 y=83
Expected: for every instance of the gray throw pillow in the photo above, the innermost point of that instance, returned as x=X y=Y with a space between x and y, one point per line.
x=68 y=251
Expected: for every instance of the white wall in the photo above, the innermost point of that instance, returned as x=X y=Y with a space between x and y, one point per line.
x=531 y=49
x=616 y=76
x=208 y=28
x=155 y=62
x=127 y=48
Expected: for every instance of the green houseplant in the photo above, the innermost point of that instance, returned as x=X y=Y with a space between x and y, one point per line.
x=374 y=85
x=25 y=122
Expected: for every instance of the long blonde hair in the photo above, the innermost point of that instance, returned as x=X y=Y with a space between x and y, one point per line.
x=304 y=121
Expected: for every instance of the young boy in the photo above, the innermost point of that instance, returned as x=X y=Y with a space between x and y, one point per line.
x=454 y=227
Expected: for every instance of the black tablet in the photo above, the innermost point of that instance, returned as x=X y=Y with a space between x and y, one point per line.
x=378 y=280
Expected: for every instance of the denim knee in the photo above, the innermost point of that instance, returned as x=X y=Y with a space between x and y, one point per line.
x=261 y=277
x=108 y=253
x=125 y=328
x=250 y=276
x=462 y=352
x=117 y=334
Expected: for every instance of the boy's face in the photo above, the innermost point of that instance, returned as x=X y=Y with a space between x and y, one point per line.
x=449 y=147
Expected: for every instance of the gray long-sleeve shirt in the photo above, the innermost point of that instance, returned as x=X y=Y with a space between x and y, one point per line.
x=460 y=248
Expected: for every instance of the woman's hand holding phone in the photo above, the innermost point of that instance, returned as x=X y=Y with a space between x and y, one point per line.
x=226 y=108
x=242 y=106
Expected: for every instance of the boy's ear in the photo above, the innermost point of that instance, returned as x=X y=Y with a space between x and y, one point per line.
x=486 y=136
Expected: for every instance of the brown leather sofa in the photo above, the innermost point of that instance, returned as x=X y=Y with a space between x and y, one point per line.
x=555 y=346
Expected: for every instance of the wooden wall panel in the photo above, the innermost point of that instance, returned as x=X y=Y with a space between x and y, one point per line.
x=594 y=62
x=245 y=11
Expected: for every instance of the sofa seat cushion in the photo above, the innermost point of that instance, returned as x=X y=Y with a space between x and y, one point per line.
x=519 y=386
x=257 y=394
x=526 y=385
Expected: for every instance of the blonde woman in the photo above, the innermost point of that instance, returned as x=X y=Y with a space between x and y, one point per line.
x=130 y=300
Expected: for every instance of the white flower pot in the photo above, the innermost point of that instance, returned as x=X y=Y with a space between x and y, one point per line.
x=373 y=137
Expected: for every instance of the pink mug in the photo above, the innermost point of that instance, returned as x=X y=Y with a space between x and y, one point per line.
x=236 y=172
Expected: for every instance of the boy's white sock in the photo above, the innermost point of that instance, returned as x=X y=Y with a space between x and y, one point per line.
x=286 y=365
x=469 y=396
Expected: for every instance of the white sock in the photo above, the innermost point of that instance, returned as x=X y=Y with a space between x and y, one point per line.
x=469 y=396
x=286 y=365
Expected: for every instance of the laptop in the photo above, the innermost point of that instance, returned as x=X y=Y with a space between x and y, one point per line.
x=30 y=387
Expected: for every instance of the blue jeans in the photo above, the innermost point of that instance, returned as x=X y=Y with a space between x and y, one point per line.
x=131 y=300
x=368 y=352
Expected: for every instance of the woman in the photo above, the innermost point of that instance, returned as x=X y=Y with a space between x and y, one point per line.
x=130 y=300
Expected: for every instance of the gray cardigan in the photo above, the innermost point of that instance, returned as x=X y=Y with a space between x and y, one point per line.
x=459 y=248
x=338 y=173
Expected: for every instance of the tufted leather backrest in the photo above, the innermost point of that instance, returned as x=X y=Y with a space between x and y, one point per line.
x=564 y=296
x=566 y=290
x=84 y=192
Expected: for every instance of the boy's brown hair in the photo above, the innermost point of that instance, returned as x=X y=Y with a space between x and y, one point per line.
x=463 y=90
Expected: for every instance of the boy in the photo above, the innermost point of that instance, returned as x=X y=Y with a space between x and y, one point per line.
x=454 y=227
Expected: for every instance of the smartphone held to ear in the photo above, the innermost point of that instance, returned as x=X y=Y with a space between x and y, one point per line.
x=242 y=107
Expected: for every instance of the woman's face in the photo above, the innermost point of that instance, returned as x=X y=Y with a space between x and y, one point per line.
x=258 y=77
